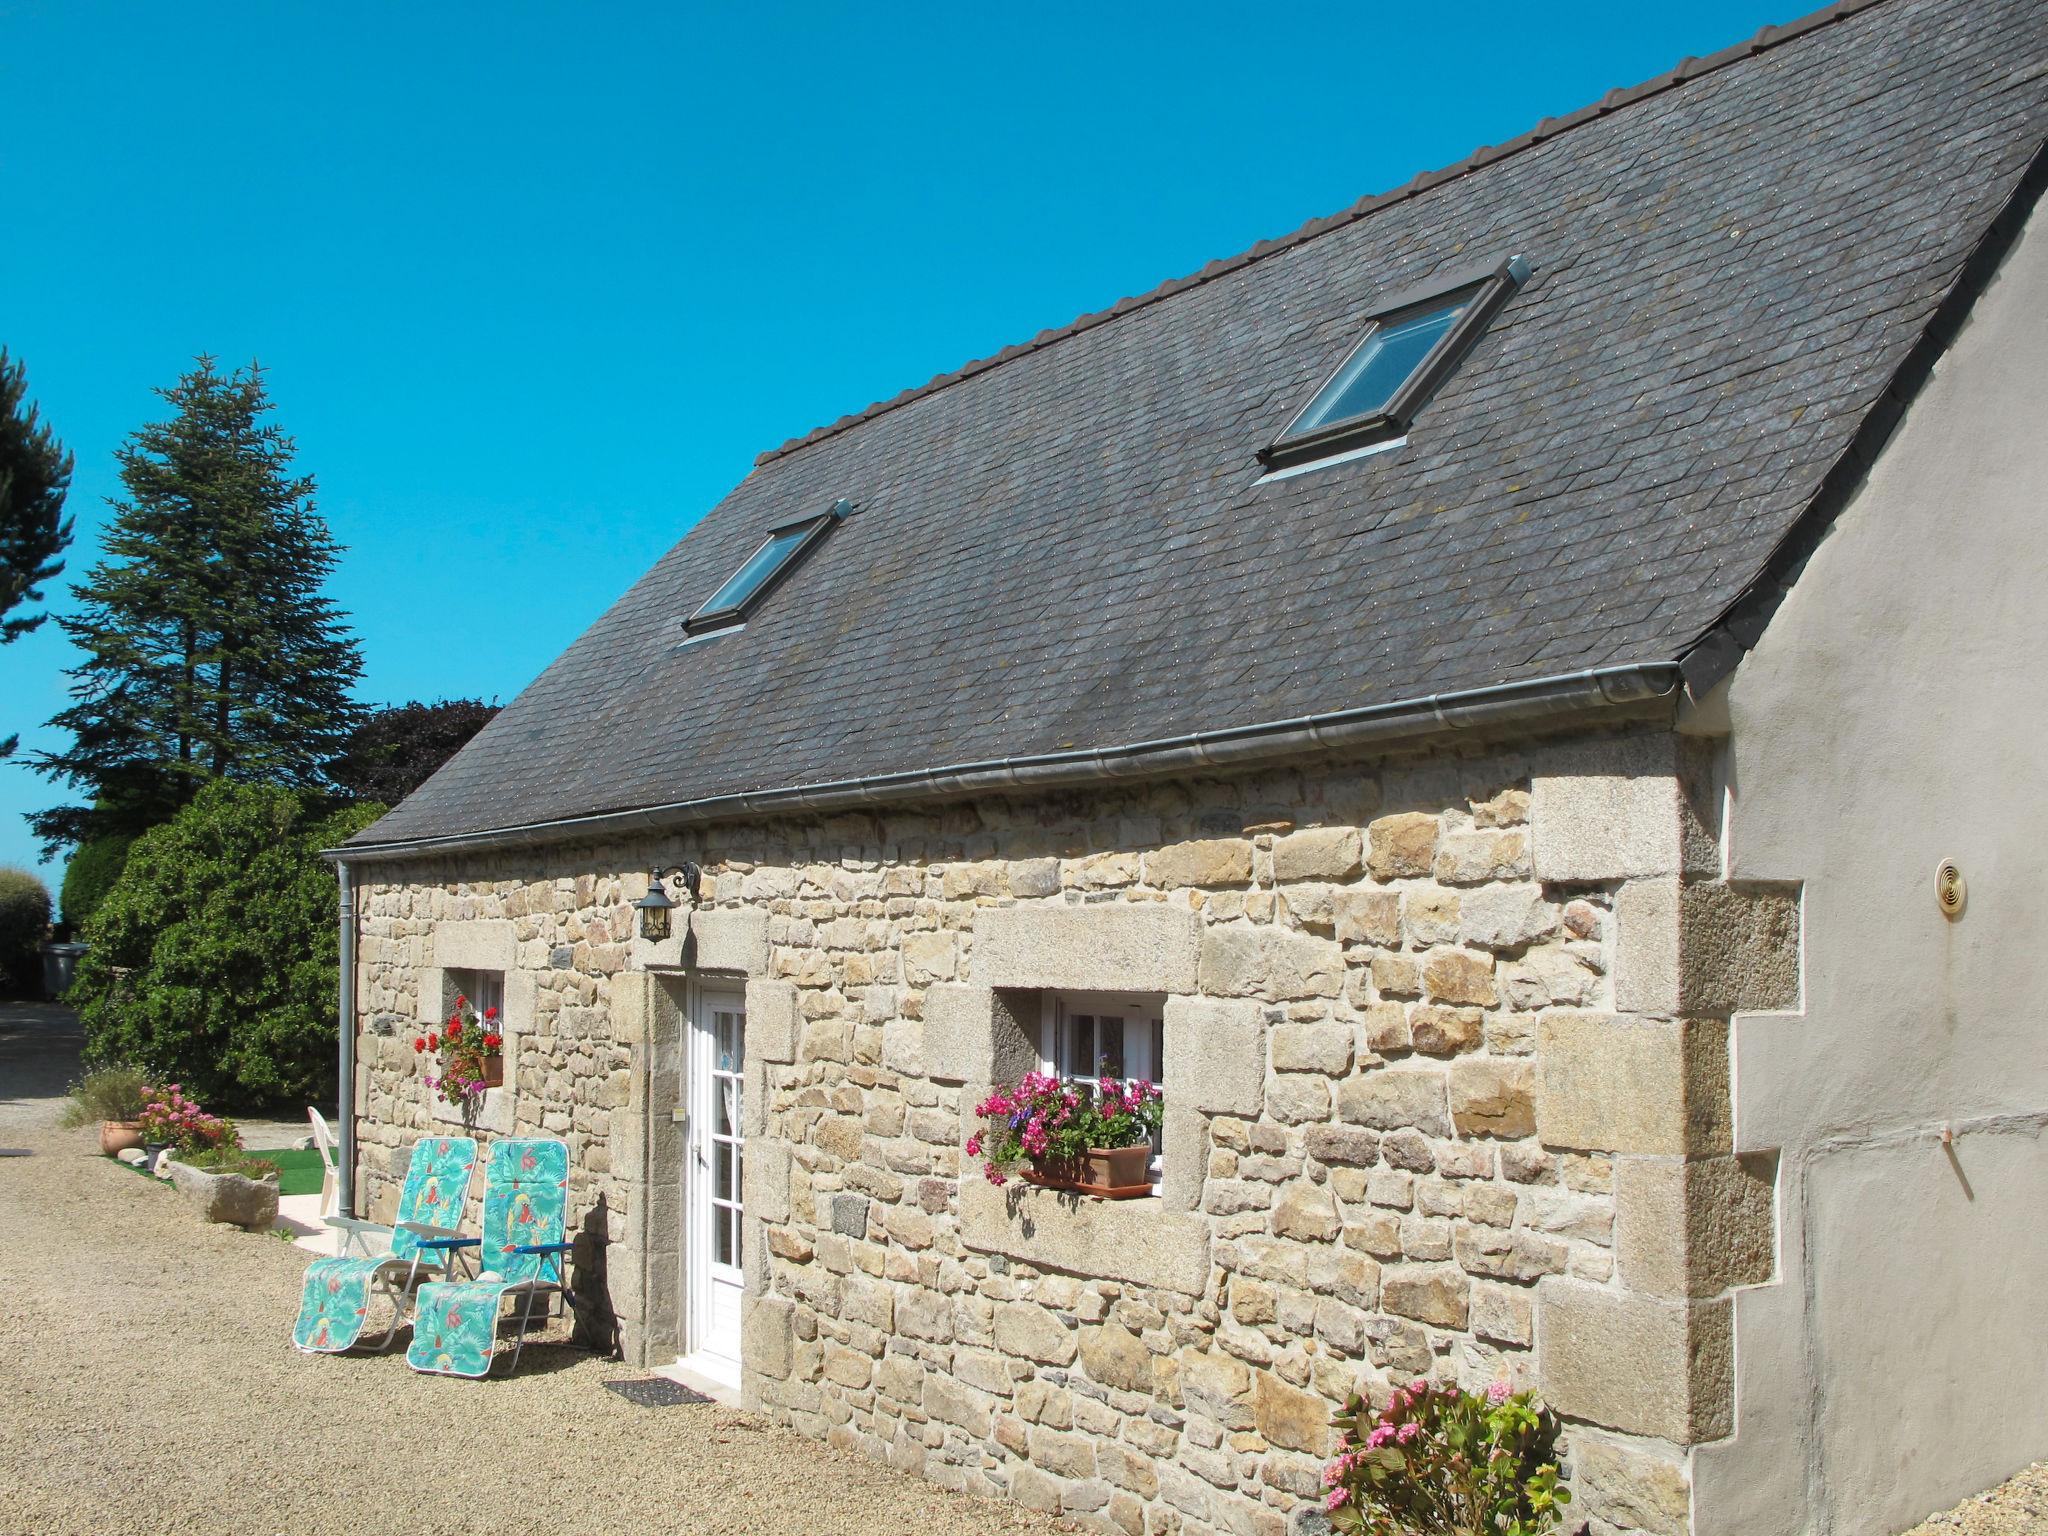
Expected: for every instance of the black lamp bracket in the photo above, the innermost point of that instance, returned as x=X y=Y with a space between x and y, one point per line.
x=692 y=878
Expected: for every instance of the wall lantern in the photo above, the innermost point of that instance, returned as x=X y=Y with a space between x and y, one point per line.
x=656 y=906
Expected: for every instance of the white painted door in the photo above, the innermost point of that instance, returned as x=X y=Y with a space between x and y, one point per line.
x=711 y=1254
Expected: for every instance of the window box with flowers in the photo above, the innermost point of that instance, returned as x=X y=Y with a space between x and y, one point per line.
x=469 y=1057
x=1092 y=1138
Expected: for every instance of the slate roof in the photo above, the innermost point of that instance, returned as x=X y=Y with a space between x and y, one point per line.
x=1070 y=546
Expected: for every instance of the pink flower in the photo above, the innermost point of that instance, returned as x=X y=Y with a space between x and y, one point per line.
x=1498 y=1392
x=1407 y=1432
x=974 y=1145
x=1336 y=1498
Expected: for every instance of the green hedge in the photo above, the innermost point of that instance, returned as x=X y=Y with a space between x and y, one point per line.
x=24 y=921
x=93 y=869
x=214 y=956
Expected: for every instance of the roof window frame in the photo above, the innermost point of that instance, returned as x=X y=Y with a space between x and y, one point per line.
x=1490 y=287
x=710 y=620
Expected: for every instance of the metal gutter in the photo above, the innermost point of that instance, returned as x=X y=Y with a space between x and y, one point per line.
x=1498 y=704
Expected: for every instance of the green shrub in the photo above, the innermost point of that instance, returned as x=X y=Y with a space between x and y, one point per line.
x=214 y=955
x=24 y=922
x=93 y=869
x=1441 y=1461
x=106 y=1093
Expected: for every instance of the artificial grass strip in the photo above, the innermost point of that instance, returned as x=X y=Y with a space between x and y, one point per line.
x=298 y=1172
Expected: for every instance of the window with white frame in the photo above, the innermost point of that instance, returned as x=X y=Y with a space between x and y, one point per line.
x=484 y=989
x=1087 y=1036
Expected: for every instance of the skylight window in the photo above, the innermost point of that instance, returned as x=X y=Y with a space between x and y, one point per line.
x=1412 y=344
x=766 y=566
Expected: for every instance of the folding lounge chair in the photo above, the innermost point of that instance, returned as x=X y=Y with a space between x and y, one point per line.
x=334 y=1307
x=455 y=1324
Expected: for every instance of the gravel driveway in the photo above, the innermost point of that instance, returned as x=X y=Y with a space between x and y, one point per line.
x=147 y=1385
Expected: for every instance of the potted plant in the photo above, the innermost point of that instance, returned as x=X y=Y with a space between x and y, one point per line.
x=172 y=1122
x=471 y=1055
x=1097 y=1140
x=112 y=1096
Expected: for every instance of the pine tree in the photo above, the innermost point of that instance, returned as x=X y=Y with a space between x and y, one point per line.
x=210 y=650
x=35 y=472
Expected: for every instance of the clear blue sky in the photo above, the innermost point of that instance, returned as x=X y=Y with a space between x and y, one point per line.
x=536 y=283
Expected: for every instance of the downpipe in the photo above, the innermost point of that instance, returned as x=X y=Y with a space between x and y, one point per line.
x=345 y=1109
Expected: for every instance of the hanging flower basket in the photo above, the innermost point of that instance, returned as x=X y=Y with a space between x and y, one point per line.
x=469 y=1051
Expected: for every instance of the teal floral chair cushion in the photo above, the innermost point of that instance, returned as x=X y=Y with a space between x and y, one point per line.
x=334 y=1303
x=455 y=1325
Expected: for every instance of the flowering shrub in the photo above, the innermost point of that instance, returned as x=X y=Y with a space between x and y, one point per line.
x=1438 y=1461
x=169 y=1118
x=1050 y=1124
x=462 y=1046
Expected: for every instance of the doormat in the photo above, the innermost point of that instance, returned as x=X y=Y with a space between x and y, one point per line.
x=655 y=1392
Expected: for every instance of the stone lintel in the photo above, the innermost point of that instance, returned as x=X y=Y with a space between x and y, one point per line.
x=729 y=939
x=1636 y=1363
x=1140 y=1242
x=475 y=944
x=1107 y=948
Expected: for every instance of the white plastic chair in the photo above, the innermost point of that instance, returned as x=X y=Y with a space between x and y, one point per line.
x=330 y=1179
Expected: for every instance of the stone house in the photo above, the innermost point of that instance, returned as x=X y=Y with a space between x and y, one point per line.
x=1517 y=703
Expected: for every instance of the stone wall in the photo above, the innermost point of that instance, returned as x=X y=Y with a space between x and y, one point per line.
x=1446 y=1060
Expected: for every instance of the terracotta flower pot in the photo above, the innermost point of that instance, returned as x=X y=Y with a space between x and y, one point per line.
x=494 y=1071
x=117 y=1136
x=1110 y=1173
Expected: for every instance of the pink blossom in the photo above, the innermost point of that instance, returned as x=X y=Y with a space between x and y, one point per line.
x=1498 y=1392
x=1407 y=1432
x=1337 y=1497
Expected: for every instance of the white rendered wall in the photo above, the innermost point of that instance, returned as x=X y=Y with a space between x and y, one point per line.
x=1896 y=714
